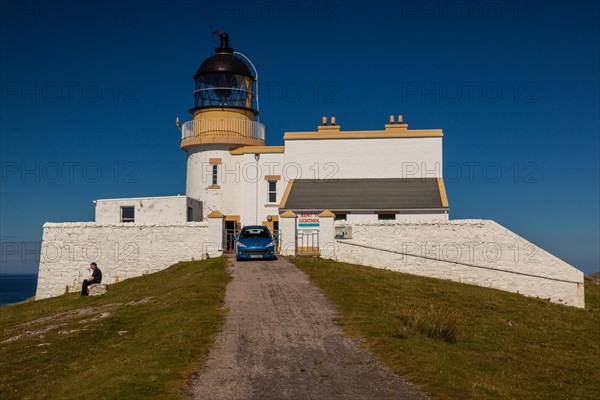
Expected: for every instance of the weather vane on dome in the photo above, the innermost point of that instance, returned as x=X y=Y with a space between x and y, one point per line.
x=223 y=37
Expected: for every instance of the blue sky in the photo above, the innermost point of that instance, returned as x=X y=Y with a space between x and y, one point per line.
x=89 y=93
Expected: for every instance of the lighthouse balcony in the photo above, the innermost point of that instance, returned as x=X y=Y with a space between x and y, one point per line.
x=222 y=131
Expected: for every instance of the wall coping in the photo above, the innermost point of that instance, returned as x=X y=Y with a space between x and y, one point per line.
x=145 y=198
x=198 y=224
x=451 y=222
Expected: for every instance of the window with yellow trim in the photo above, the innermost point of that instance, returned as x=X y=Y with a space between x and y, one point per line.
x=272 y=191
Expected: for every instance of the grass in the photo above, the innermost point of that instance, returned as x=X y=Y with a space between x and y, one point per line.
x=457 y=341
x=143 y=339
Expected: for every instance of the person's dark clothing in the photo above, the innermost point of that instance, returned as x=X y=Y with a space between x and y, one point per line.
x=97 y=275
x=96 y=278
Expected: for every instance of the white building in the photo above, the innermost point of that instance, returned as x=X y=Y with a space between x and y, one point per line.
x=384 y=187
x=392 y=173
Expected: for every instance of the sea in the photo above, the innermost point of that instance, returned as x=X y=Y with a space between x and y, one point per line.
x=16 y=288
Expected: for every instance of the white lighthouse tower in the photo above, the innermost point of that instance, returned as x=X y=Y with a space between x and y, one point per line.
x=224 y=118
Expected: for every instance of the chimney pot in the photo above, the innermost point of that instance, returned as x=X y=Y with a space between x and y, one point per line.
x=332 y=120
x=324 y=121
x=399 y=119
x=392 y=119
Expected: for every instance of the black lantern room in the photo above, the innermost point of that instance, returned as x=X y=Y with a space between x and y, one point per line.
x=224 y=81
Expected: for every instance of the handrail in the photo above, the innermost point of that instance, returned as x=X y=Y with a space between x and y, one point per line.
x=223 y=127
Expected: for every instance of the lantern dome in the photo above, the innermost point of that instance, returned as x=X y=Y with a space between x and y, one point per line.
x=224 y=81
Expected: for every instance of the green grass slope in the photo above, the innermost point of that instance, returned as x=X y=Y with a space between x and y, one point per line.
x=143 y=339
x=458 y=341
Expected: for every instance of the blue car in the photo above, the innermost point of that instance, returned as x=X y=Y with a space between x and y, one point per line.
x=255 y=243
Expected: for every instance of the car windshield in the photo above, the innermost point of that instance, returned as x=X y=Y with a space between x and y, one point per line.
x=252 y=233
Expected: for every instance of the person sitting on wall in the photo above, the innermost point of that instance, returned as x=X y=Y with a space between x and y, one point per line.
x=96 y=278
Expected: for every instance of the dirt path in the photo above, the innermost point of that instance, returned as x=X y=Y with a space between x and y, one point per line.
x=279 y=341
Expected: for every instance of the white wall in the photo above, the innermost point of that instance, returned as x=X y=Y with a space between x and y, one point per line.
x=471 y=251
x=269 y=164
x=415 y=216
x=304 y=159
x=148 y=210
x=364 y=158
x=226 y=199
x=121 y=250
x=420 y=216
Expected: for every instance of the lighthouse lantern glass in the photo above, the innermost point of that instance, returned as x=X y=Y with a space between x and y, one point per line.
x=224 y=90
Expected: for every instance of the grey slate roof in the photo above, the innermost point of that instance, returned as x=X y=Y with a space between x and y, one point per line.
x=364 y=194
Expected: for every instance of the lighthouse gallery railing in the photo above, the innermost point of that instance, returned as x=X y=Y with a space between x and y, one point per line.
x=223 y=127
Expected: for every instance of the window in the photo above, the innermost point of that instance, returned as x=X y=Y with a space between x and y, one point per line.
x=215 y=172
x=190 y=214
x=255 y=233
x=386 y=217
x=127 y=214
x=340 y=217
x=272 y=191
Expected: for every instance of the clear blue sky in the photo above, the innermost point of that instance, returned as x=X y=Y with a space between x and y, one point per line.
x=90 y=92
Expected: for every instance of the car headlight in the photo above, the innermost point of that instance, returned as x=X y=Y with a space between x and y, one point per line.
x=240 y=244
x=270 y=244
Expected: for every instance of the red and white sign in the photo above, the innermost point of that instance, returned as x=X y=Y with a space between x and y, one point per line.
x=308 y=220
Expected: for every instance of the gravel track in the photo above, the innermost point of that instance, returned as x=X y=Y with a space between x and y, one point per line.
x=280 y=341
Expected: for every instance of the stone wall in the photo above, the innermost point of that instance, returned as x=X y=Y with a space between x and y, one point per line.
x=121 y=250
x=478 y=252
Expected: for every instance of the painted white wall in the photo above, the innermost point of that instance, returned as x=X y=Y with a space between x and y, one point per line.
x=364 y=158
x=306 y=159
x=288 y=236
x=148 y=210
x=121 y=250
x=226 y=199
x=253 y=190
x=455 y=249
x=420 y=216
x=416 y=216
x=361 y=217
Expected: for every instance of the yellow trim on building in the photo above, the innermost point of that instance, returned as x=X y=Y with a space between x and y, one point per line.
x=272 y=177
x=257 y=149
x=385 y=134
x=308 y=249
x=327 y=214
x=288 y=214
x=235 y=218
x=288 y=189
x=443 y=195
x=211 y=139
x=215 y=161
x=215 y=214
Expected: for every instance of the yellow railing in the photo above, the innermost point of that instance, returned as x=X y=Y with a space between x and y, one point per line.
x=223 y=127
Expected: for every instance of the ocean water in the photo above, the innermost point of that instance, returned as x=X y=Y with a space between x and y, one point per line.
x=16 y=288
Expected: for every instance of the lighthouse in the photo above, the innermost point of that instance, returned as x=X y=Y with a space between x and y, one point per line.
x=224 y=118
x=349 y=195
